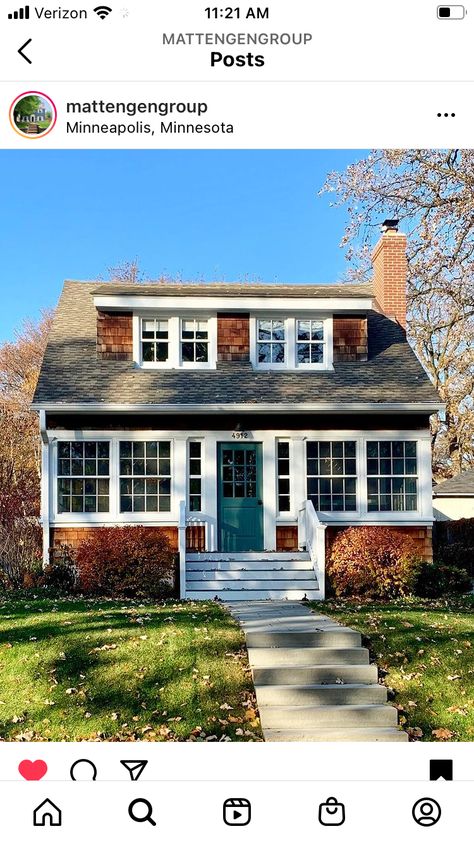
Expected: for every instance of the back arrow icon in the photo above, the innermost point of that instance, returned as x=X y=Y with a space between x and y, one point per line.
x=22 y=53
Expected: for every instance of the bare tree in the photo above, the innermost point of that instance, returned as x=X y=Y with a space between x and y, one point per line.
x=432 y=193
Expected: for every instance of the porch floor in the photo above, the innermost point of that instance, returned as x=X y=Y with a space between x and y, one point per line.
x=312 y=677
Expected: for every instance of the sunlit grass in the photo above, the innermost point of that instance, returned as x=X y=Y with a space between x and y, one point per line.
x=425 y=651
x=122 y=670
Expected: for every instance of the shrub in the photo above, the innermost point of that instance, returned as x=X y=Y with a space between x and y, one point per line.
x=437 y=580
x=375 y=562
x=20 y=552
x=125 y=562
x=61 y=574
x=453 y=543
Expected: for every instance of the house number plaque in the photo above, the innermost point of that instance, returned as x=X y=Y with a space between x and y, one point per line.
x=240 y=434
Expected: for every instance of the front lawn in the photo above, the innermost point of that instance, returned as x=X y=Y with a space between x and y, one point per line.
x=425 y=651
x=122 y=670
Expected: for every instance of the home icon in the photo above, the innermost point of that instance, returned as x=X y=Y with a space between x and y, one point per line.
x=47 y=814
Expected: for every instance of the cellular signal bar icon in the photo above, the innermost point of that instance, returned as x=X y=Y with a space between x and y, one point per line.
x=21 y=14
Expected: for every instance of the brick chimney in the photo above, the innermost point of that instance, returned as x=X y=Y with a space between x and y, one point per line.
x=390 y=272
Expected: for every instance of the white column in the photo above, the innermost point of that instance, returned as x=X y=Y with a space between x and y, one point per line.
x=45 y=487
x=209 y=487
x=179 y=475
x=269 y=489
x=297 y=474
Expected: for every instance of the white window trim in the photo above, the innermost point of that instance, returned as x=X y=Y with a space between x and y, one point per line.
x=174 y=339
x=291 y=363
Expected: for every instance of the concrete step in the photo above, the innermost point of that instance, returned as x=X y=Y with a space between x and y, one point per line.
x=353 y=674
x=295 y=656
x=239 y=576
x=294 y=695
x=228 y=595
x=337 y=734
x=249 y=565
x=339 y=637
x=327 y=716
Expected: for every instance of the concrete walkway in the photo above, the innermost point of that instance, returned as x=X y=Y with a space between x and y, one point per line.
x=312 y=677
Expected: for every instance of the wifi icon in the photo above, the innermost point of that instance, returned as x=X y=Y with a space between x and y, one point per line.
x=102 y=11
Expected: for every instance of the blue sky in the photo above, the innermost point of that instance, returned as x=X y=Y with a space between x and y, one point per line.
x=215 y=215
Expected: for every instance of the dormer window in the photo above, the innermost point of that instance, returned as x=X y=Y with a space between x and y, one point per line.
x=291 y=342
x=271 y=341
x=309 y=341
x=172 y=341
x=194 y=341
x=154 y=340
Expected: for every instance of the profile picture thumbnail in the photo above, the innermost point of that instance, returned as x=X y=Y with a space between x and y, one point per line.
x=33 y=114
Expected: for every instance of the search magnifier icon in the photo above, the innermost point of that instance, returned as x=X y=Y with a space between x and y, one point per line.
x=141 y=811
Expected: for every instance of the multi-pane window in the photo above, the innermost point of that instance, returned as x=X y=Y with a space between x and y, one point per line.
x=83 y=476
x=194 y=341
x=271 y=341
x=283 y=461
x=195 y=477
x=331 y=476
x=239 y=473
x=155 y=340
x=145 y=476
x=392 y=476
x=309 y=341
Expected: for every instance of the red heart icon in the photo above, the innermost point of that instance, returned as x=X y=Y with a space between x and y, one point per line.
x=32 y=771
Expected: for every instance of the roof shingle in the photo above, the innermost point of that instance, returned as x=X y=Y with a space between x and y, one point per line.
x=72 y=373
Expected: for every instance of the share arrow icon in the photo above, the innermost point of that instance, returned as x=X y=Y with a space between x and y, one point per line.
x=135 y=768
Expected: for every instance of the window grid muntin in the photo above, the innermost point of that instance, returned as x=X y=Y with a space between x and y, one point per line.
x=155 y=348
x=392 y=476
x=195 y=476
x=314 y=344
x=272 y=349
x=141 y=486
x=239 y=473
x=331 y=490
x=83 y=479
x=283 y=476
x=194 y=348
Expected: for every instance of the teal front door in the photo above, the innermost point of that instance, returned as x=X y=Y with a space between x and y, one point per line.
x=240 y=496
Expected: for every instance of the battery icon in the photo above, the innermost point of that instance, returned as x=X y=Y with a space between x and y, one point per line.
x=451 y=12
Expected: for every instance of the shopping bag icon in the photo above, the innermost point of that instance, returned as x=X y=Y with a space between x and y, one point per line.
x=332 y=812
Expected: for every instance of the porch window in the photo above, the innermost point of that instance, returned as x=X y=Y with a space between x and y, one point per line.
x=271 y=341
x=332 y=476
x=154 y=340
x=195 y=477
x=83 y=476
x=309 y=341
x=392 y=481
x=194 y=341
x=145 y=476
x=283 y=460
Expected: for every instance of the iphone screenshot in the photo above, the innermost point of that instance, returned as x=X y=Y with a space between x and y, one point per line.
x=236 y=420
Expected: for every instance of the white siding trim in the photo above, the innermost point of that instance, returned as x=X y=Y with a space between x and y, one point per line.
x=235 y=303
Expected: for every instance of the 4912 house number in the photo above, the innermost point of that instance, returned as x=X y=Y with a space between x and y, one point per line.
x=240 y=434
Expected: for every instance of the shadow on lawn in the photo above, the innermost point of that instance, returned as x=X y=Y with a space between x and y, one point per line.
x=140 y=671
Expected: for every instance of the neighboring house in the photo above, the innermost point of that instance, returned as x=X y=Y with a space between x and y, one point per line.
x=250 y=423
x=454 y=499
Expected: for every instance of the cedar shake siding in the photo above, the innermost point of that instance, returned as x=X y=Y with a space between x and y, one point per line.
x=73 y=536
x=114 y=336
x=350 y=338
x=233 y=336
x=287 y=538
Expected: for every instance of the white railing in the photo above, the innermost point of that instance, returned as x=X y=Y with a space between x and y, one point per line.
x=311 y=535
x=182 y=549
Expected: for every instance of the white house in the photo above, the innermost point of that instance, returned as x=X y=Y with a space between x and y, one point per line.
x=250 y=423
x=454 y=498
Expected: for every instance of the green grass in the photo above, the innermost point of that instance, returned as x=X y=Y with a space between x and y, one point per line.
x=122 y=670
x=425 y=652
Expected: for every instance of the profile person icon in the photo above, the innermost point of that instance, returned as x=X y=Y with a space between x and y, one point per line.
x=426 y=812
x=83 y=770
